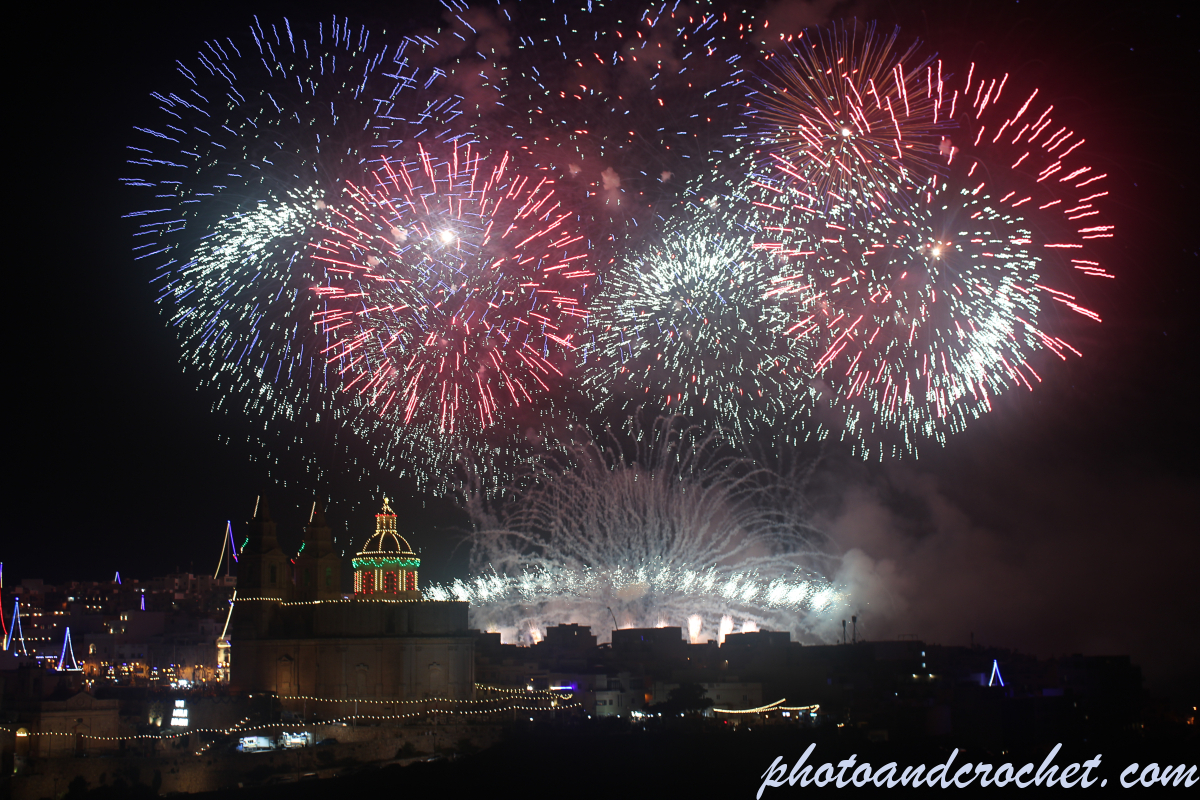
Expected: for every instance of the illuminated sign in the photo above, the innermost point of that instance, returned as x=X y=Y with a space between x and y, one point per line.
x=179 y=714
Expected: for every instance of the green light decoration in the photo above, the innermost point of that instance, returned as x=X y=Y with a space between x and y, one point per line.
x=385 y=563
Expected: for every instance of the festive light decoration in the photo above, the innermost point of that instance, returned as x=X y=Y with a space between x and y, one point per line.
x=995 y=677
x=778 y=705
x=227 y=545
x=15 y=627
x=228 y=617
x=241 y=727
x=386 y=565
x=67 y=648
x=538 y=694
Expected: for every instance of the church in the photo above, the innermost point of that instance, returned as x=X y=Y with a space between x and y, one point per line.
x=295 y=633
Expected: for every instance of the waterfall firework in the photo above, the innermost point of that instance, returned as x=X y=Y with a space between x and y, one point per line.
x=669 y=528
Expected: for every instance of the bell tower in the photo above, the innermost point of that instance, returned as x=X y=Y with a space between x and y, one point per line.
x=318 y=566
x=263 y=580
x=263 y=569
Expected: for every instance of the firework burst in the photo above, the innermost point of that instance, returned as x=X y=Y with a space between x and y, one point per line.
x=688 y=325
x=1010 y=148
x=454 y=296
x=855 y=119
x=919 y=314
x=914 y=320
x=639 y=103
x=245 y=159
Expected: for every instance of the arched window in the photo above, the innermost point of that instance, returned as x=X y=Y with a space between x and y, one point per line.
x=368 y=581
x=390 y=582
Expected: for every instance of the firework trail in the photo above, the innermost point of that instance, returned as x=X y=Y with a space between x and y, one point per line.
x=240 y=170
x=1012 y=149
x=664 y=531
x=455 y=291
x=854 y=119
x=690 y=325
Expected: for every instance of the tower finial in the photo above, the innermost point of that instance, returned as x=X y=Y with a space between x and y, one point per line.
x=387 y=509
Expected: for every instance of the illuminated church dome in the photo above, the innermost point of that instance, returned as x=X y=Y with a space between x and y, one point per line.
x=386 y=566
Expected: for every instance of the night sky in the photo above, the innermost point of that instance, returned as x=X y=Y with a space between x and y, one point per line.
x=1062 y=522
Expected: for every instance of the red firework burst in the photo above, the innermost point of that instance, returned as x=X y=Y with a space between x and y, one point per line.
x=454 y=297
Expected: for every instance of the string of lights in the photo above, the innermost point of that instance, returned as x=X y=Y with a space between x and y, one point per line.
x=352 y=600
x=778 y=705
x=483 y=687
x=554 y=697
x=542 y=695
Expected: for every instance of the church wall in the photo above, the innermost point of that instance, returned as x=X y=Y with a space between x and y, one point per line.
x=428 y=618
x=356 y=648
x=382 y=668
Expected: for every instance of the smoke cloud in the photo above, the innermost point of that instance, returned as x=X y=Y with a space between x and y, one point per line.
x=1066 y=562
x=788 y=17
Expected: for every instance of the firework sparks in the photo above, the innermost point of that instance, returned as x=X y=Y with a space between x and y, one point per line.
x=915 y=320
x=639 y=103
x=670 y=529
x=454 y=294
x=920 y=313
x=1011 y=148
x=855 y=119
x=243 y=162
x=690 y=325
